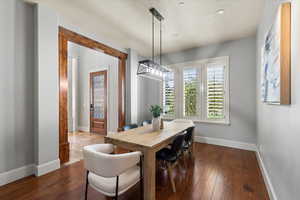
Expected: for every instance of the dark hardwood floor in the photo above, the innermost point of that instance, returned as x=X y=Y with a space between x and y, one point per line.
x=216 y=173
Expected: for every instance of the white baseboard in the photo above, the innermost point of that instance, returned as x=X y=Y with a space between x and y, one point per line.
x=266 y=177
x=47 y=167
x=226 y=143
x=32 y=169
x=16 y=174
x=84 y=128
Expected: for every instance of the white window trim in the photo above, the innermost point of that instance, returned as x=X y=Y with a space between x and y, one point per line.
x=179 y=94
x=161 y=100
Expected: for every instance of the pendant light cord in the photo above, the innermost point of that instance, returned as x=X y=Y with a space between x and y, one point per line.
x=160 y=38
x=152 y=37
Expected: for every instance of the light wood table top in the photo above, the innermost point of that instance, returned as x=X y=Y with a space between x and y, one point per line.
x=145 y=136
x=147 y=141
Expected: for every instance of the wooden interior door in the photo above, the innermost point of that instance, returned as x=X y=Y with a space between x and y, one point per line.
x=98 y=102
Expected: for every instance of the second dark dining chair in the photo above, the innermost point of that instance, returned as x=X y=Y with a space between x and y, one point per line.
x=146 y=122
x=188 y=140
x=171 y=155
x=129 y=126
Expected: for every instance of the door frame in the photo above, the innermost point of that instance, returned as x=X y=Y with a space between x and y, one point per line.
x=102 y=72
x=64 y=36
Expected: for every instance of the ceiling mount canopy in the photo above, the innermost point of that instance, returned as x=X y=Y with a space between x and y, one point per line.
x=149 y=68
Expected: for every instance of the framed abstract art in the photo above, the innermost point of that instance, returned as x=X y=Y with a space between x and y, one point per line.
x=276 y=59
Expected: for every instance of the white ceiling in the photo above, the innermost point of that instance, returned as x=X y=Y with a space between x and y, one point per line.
x=127 y=23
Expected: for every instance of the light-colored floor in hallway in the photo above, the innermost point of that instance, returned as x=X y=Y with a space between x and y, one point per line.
x=78 y=140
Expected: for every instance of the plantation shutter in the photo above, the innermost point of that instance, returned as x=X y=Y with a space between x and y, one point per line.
x=215 y=92
x=191 y=92
x=169 y=94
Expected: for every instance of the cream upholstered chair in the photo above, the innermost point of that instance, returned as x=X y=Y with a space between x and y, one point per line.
x=111 y=174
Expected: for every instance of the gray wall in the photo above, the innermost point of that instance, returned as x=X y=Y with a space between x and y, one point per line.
x=46 y=87
x=73 y=69
x=149 y=94
x=131 y=84
x=16 y=84
x=242 y=87
x=140 y=92
x=278 y=126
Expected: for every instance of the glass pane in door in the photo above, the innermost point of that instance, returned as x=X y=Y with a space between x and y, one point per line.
x=99 y=96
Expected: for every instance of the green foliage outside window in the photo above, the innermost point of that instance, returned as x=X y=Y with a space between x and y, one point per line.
x=190 y=94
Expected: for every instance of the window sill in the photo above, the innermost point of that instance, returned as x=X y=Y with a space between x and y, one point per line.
x=197 y=121
x=212 y=122
x=168 y=118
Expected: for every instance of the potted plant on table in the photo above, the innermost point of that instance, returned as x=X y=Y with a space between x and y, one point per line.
x=156 y=110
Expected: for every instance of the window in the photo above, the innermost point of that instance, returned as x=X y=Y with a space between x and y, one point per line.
x=200 y=91
x=169 y=94
x=215 y=92
x=191 y=92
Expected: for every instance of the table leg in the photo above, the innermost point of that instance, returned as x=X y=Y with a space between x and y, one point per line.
x=149 y=175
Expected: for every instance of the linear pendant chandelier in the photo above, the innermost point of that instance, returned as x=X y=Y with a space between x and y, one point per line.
x=149 y=68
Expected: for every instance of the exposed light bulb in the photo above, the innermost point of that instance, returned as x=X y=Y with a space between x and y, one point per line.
x=157 y=72
x=220 y=11
x=181 y=3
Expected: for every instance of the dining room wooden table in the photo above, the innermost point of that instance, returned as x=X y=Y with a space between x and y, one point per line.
x=147 y=141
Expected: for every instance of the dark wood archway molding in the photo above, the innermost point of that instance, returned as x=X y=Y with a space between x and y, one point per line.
x=66 y=35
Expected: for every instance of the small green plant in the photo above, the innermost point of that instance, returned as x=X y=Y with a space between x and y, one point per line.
x=156 y=110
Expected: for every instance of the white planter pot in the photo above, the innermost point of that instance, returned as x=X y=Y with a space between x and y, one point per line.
x=156 y=124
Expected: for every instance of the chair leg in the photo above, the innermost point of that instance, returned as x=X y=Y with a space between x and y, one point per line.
x=191 y=149
x=142 y=188
x=184 y=160
x=170 y=177
x=141 y=178
x=86 y=185
x=117 y=188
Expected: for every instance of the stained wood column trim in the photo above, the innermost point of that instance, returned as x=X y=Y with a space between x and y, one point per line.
x=90 y=43
x=121 y=100
x=285 y=55
x=64 y=146
x=66 y=35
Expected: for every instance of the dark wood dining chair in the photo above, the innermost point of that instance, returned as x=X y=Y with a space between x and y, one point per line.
x=188 y=140
x=171 y=155
x=146 y=122
x=129 y=126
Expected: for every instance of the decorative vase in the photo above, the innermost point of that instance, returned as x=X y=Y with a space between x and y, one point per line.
x=156 y=124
